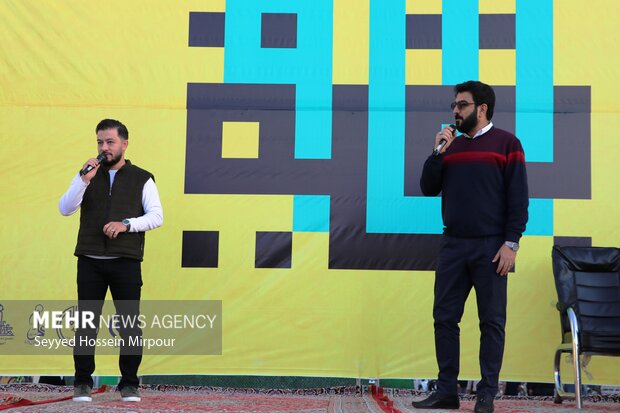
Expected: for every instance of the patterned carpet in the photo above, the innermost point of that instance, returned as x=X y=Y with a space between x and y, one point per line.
x=512 y=404
x=518 y=406
x=166 y=398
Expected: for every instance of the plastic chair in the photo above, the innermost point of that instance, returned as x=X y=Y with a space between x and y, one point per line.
x=587 y=280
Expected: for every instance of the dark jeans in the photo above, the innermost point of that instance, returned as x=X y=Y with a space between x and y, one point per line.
x=465 y=263
x=124 y=277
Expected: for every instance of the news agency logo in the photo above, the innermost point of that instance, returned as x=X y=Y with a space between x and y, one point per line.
x=6 y=331
x=60 y=326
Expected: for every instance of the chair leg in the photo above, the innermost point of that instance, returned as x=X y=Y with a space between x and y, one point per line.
x=574 y=328
x=577 y=373
x=559 y=387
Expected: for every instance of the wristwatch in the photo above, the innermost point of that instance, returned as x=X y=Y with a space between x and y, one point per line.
x=128 y=225
x=512 y=245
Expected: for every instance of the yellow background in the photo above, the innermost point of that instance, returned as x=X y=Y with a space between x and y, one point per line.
x=66 y=65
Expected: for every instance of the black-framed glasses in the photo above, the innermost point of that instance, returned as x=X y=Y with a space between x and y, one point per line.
x=461 y=104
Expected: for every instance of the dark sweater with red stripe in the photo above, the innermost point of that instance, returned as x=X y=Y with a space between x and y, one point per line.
x=483 y=184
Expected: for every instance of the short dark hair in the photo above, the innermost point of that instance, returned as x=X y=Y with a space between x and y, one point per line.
x=113 y=124
x=481 y=92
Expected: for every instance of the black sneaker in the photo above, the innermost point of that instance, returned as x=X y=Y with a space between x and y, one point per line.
x=130 y=394
x=438 y=401
x=484 y=405
x=82 y=393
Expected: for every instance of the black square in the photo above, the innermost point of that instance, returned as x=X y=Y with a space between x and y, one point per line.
x=497 y=31
x=423 y=31
x=200 y=249
x=273 y=249
x=278 y=30
x=206 y=29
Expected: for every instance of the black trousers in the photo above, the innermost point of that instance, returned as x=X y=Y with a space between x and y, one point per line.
x=465 y=263
x=124 y=278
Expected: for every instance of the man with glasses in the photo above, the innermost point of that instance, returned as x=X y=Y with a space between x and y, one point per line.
x=482 y=178
x=118 y=202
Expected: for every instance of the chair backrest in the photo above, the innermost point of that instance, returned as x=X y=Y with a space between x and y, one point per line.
x=588 y=280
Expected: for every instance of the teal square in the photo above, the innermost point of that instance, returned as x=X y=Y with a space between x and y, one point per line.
x=540 y=221
x=311 y=213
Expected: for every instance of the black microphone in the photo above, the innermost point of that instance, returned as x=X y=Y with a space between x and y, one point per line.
x=89 y=168
x=442 y=141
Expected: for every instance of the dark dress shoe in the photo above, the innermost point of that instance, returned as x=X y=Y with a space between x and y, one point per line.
x=484 y=405
x=438 y=401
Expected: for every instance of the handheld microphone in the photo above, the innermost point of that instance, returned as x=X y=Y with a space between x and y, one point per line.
x=442 y=141
x=89 y=168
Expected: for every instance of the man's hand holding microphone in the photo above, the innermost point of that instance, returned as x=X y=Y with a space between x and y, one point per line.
x=90 y=167
x=443 y=139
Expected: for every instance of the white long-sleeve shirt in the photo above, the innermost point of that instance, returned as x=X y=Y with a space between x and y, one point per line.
x=153 y=213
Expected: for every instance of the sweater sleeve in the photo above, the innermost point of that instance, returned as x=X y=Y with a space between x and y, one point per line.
x=431 y=179
x=517 y=201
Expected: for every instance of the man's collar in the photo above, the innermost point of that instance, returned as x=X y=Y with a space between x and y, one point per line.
x=480 y=132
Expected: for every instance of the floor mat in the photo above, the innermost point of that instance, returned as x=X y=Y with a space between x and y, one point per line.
x=182 y=399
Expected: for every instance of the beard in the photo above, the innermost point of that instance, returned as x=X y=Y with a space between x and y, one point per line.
x=110 y=163
x=468 y=124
